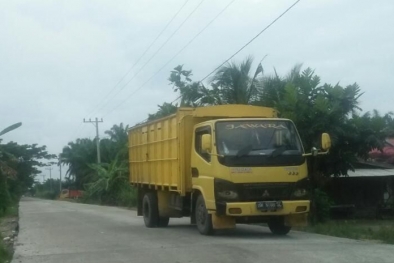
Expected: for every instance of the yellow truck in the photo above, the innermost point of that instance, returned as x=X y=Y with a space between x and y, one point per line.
x=221 y=165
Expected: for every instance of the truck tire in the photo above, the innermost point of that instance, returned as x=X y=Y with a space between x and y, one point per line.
x=203 y=219
x=278 y=227
x=150 y=210
x=163 y=221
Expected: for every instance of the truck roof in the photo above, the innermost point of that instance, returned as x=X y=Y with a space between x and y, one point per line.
x=222 y=111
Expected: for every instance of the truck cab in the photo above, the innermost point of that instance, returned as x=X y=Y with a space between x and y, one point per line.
x=249 y=170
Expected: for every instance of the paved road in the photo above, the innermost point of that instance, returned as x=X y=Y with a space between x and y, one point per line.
x=55 y=231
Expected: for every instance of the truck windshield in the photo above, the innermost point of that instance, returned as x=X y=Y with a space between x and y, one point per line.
x=258 y=143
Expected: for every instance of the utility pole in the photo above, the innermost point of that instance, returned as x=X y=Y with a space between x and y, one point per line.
x=96 y=123
x=60 y=171
x=50 y=177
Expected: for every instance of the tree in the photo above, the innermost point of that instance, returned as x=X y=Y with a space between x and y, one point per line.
x=5 y=171
x=192 y=94
x=164 y=110
x=81 y=154
x=19 y=166
x=234 y=84
x=78 y=155
x=108 y=180
x=300 y=96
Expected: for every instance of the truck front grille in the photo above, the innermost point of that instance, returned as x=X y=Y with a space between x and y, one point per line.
x=265 y=191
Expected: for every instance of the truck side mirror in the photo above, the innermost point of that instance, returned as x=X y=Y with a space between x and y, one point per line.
x=206 y=143
x=325 y=142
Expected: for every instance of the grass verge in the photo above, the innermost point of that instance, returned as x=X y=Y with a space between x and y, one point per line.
x=6 y=228
x=379 y=230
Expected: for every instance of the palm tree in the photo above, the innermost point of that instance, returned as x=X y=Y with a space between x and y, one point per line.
x=231 y=84
x=118 y=133
x=164 y=110
x=78 y=156
x=234 y=83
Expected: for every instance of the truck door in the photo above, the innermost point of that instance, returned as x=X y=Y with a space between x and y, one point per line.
x=201 y=165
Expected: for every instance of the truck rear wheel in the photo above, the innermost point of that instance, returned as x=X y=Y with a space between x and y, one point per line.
x=163 y=221
x=203 y=219
x=278 y=227
x=150 y=210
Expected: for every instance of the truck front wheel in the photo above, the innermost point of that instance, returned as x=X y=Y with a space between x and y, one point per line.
x=163 y=221
x=150 y=210
x=278 y=227
x=203 y=218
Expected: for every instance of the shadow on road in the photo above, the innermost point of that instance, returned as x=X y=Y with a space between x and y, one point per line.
x=241 y=231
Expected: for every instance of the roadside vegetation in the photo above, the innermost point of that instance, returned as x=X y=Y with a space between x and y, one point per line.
x=376 y=230
x=8 y=231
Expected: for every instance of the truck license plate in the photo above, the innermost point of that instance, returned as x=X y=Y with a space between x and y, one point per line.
x=269 y=205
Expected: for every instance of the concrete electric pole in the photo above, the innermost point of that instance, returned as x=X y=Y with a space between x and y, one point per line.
x=96 y=123
x=60 y=170
x=50 y=177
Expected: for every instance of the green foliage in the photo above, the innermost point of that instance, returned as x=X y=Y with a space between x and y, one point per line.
x=79 y=155
x=321 y=204
x=105 y=183
x=5 y=199
x=234 y=84
x=300 y=96
x=111 y=186
x=165 y=109
x=5 y=255
x=19 y=164
x=356 y=229
x=107 y=179
x=50 y=189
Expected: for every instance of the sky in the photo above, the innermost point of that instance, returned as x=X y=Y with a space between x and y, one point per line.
x=65 y=60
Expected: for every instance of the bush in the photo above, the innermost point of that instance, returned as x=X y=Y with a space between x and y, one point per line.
x=5 y=198
x=320 y=210
x=4 y=253
x=127 y=196
x=51 y=195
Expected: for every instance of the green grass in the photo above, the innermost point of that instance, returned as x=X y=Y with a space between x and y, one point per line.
x=380 y=230
x=5 y=256
x=12 y=211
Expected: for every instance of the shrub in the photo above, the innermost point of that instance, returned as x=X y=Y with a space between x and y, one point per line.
x=321 y=203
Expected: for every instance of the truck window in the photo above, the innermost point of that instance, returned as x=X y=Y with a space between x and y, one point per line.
x=197 y=142
x=260 y=141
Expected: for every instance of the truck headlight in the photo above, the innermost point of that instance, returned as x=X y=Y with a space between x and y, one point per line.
x=300 y=192
x=301 y=189
x=225 y=190
x=227 y=194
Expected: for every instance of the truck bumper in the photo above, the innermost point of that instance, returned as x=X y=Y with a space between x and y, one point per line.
x=250 y=209
x=295 y=213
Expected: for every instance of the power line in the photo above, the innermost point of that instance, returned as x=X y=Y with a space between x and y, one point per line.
x=250 y=41
x=158 y=50
x=143 y=54
x=169 y=61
